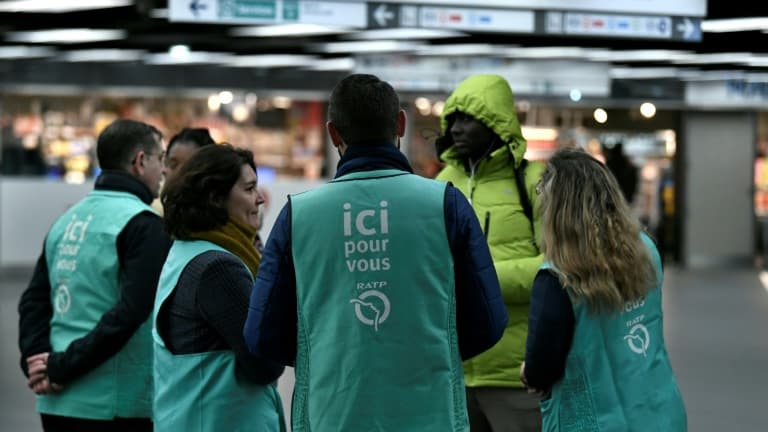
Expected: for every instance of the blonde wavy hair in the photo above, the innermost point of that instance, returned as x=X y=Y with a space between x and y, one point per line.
x=590 y=235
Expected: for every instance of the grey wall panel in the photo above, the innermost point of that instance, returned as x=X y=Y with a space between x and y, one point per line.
x=718 y=213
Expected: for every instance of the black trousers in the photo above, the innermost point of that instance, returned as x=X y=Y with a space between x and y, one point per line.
x=54 y=423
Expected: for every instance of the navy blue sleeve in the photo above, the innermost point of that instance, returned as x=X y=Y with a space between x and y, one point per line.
x=480 y=312
x=35 y=312
x=270 y=330
x=551 y=324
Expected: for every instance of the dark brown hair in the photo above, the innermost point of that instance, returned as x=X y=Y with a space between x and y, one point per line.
x=364 y=109
x=195 y=199
x=119 y=142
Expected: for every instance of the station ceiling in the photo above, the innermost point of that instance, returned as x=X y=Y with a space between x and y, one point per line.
x=143 y=39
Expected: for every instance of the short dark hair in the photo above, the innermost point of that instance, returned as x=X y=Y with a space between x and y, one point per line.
x=199 y=137
x=119 y=141
x=364 y=108
x=195 y=199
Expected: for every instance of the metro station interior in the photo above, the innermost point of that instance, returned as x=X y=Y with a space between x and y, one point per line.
x=679 y=86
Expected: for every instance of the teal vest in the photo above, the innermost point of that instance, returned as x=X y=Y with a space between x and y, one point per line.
x=200 y=392
x=84 y=273
x=618 y=377
x=377 y=343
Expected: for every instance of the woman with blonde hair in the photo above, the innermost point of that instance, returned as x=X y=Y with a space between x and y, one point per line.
x=595 y=349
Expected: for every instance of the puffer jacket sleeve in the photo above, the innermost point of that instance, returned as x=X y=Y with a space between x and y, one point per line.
x=516 y=275
x=480 y=313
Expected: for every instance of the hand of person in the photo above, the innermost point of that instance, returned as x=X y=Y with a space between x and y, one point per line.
x=522 y=375
x=530 y=389
x=37 y=366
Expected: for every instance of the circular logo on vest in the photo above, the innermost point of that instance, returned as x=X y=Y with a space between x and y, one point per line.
x=638 y=339
x=63 y=300
x=374 y=311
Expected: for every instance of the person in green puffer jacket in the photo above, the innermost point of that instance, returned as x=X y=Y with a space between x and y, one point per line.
x=483 y=148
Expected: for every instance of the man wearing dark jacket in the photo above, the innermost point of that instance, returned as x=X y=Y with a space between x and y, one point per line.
x=83 y=321
x=380 y=280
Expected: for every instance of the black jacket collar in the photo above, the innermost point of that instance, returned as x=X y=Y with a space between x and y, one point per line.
x=370 y=157
x=123 y=182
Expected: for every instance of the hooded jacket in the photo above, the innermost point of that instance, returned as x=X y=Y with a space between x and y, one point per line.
x=491 y=189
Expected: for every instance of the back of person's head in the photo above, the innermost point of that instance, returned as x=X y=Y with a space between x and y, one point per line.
x=590 y=235
x=363 y=109
x=198 y=137
x=119 y=142
x=195 y=199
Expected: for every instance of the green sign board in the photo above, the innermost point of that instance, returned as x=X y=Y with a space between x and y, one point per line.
x=254 y=9
x=291 y=10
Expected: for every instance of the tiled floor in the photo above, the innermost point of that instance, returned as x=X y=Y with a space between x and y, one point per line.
x=716 y=326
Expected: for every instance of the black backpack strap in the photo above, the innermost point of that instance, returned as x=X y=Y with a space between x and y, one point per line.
x=525 y=200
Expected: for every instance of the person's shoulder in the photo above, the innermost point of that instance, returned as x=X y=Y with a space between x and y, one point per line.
x=215 y=261
x=448 y=173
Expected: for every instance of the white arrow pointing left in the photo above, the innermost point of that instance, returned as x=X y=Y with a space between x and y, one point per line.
x=382 y=15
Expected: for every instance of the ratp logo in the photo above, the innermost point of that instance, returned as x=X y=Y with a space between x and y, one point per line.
x=63 y=300
x=374 y=311
x=638 y=339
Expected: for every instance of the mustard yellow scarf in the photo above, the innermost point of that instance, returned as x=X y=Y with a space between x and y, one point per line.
x=237 y=238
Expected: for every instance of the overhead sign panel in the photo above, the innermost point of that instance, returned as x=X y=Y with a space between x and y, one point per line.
x=627 y=26
x=472 y=18
x=477 y=19
x=690 y=8
x=342 y=13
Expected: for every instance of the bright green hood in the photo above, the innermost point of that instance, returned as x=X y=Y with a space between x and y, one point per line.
x=489 y=99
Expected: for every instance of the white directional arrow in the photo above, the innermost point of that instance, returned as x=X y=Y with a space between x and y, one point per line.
x=687 y=28
x=382 y=15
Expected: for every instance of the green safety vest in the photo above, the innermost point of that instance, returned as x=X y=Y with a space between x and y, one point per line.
x=200 y=392
x=618 y=377
x=84 y=272
x=377 y=342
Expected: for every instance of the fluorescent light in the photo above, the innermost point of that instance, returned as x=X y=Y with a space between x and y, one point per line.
x=103 y=55
x=717 y=58
x=193 y=57
x=405 y=33
x=179 y=51
x=23 y=51
x=336 y=64
x=643 y=73
x=638 y=55
x=287 y=30
x=545 y=52
x=756 y=61
x=460 y=50
x=272 y=61
x=368 y=46
x=734 y=25
x=66 y=36
x=60 y=5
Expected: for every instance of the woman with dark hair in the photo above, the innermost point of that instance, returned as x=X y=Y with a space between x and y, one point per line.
x=205 y=379
x=182 y=146
x=595 y=345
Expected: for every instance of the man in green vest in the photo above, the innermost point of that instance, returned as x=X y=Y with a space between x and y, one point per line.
x=376 y=285
x=483 y=148
x=84 y=332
